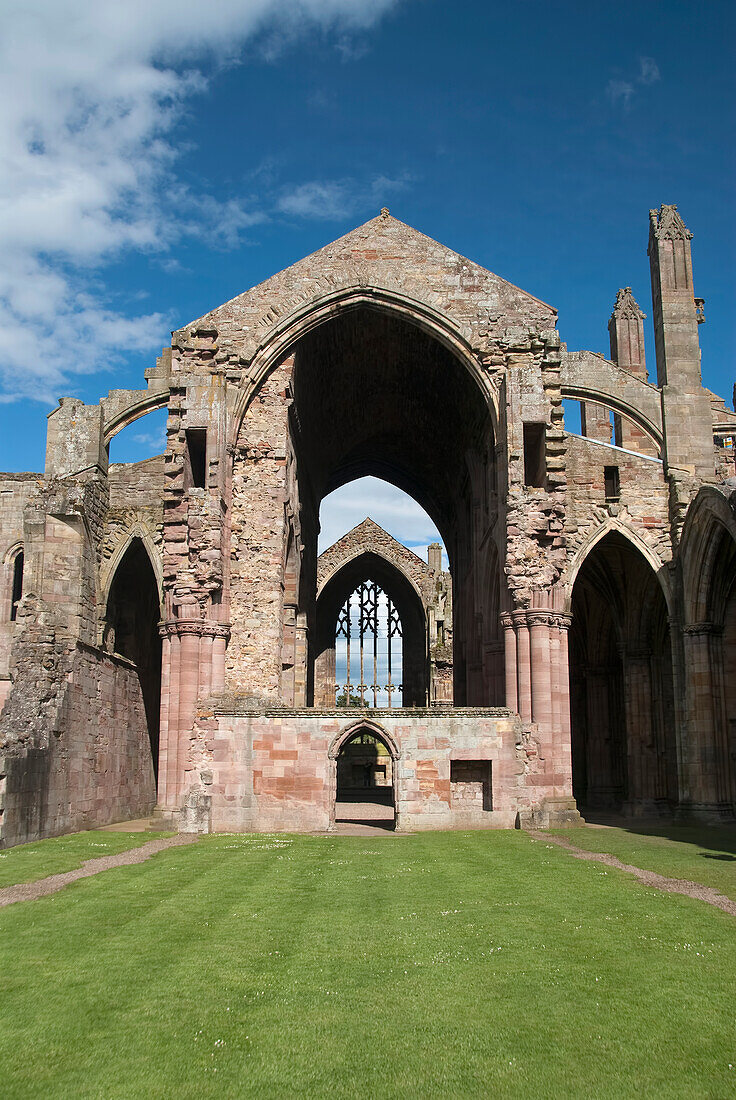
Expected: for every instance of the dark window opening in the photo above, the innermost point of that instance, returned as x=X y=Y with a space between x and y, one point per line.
x=470 y=783
x=17 y=585
x=612 y=483
x=535 y=465
x=196 y=458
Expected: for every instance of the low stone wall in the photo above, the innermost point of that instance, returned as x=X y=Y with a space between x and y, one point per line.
x=90 y=767
x=276 y=770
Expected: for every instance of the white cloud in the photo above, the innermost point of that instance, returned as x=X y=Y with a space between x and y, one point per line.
x=89 y=92
x=331 y=200
x=622 y=92
x=648 y=70
x=386 y=505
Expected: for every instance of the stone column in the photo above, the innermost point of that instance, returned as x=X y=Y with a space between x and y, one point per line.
x=640 y=750
x=705 y=750
x=509 y=634
x=561 y=692
x=195 y=658
x=288 y=655
x=600 y=787
x=541 y=673
x=301 y=652
x=523 y=666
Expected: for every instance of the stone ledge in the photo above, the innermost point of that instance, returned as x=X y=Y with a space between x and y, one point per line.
x=231 y=707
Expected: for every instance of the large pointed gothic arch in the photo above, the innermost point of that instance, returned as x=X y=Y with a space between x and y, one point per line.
x=624 y=749
x=371 y=566
x=709 y=642
x=132 y=614
x=282 y=336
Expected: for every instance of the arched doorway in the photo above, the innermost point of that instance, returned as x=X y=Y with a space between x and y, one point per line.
x=133 y=613
x=624 y=754
x=365 y=778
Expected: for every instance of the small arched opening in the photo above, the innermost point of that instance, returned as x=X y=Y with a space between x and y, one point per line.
x=16 y=591
x=133 y=613
x=624 y=752
x=365 y=778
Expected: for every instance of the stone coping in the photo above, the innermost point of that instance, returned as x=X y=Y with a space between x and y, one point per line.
x=247 y=709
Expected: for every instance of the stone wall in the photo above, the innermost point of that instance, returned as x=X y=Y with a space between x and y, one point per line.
x=642 y=505
x=277 y=770
x=15 y=490
x=75 y=752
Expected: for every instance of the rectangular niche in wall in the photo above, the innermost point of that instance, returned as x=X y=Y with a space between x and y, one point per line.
x=196 y=467
x=470 y=785
x=612 y=483
x=535 y=460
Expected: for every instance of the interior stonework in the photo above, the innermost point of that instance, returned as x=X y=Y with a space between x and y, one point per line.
x=167 y=628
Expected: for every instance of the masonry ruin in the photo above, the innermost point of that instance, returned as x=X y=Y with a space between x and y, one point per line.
x=169 y=633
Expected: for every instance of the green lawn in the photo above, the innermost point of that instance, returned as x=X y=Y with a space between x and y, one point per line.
x=698 y=853
x=29 y=862
x=438 y=965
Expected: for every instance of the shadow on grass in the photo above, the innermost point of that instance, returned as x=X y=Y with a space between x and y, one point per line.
x=718 y=839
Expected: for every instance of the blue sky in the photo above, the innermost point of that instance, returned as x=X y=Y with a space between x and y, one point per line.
x=161 y=158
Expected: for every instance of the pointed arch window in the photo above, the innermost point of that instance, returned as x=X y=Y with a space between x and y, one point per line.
x=17 y=585
x=369 y=653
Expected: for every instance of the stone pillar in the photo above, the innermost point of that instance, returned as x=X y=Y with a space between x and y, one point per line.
x=512 y=697
x=705 y=763
x=643 y=771
x=288 y=655
x=523 y=666
x=193 y=668
x=598 y=762
x=595 y=422
x=561 y=691
x=301 y=652
x=541 y=675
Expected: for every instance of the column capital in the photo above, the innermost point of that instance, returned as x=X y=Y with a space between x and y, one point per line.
x=507 y=621
x=562 y=619
x=702 y=628
x=204 y=628
x=539 y=616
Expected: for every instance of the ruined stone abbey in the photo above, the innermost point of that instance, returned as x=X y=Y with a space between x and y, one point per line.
x=170 y=638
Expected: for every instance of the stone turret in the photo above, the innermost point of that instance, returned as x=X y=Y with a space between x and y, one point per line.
x=677 y=313
x=626 y=332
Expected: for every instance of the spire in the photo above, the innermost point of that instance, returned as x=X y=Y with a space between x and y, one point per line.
x=668 y=225
x=626 y=332
x=688 y=419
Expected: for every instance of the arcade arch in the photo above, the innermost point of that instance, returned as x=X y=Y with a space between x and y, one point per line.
x=624 y=753
x=709 y=580
x=131 y=629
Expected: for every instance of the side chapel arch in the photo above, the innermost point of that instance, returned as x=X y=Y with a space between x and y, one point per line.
x=133 y=611
x=709 y=640
x=624 y=751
